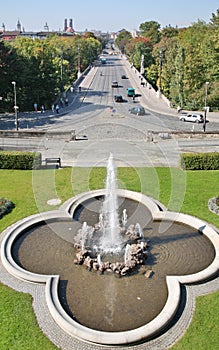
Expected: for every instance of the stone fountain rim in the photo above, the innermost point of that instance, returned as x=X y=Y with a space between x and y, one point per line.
x=64 y=321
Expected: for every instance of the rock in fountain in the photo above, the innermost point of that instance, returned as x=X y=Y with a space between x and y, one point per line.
x=107 y=237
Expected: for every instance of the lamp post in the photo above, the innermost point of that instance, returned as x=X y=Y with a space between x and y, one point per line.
x=15 y=105
x=79 y=63
x=160 y=73
x=61 y=69
x=206 y=99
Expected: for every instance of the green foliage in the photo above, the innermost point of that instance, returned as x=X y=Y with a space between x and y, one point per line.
x=20 y=160
x=189 y=60
x=150 y=30
x=200 y=161
x=122 y=40
x=214 y=21
x=8 y=66
x=169 y=32
x=42 y=68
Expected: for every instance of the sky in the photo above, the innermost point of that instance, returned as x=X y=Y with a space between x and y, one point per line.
x=104 y=15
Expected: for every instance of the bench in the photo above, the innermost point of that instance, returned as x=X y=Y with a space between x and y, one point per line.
x=56 y=161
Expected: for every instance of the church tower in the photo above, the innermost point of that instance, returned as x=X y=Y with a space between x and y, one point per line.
x=65 y=25
x=19 y=26
x=71 y=24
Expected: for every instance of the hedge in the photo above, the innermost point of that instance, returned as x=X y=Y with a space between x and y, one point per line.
x=20 y=160
x=200 y=161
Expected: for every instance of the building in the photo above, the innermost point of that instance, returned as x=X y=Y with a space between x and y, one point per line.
x=10 y=34
x=68 y=29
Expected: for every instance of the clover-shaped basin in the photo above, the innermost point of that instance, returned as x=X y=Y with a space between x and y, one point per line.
x=103 y=308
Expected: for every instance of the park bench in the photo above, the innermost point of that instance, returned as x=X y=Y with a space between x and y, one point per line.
x=56 y=161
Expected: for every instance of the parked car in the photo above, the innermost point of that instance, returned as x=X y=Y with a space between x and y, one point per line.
x=192 y=117
x=138 y=110
x=115 y=84
x=118 y=98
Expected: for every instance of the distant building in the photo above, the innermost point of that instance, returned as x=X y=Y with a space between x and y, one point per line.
x=19 y=26
x=9 y=35
x=68 y=30
x=65 y=25
x=46 y=27
x=135 y=33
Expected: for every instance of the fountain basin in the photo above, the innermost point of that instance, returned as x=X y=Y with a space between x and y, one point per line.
x=51 y=282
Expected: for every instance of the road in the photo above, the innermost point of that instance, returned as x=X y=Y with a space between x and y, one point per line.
x=105 y=126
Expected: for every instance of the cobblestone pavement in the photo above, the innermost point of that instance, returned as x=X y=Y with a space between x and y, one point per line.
x=67 y=342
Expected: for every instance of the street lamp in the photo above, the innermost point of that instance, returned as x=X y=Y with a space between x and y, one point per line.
x=15 y=105
x=79 y=63
x=160 y=73
x=206 y=99
x=61 y=69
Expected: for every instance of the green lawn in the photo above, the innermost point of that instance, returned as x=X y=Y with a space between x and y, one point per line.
x=178 y=190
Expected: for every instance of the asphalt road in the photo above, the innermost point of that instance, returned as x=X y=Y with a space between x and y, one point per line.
x=104 y=126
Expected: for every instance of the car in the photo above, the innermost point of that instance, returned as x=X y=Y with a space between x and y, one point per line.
x=115 y=84
x=192 y=117
x=123 y=76
x=130 y=92
x=118 y=98
x=138 y=110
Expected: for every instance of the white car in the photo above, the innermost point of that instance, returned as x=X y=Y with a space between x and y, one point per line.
x=115 y=84
x=192 y=117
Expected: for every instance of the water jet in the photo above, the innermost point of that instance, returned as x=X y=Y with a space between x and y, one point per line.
x=108 y=238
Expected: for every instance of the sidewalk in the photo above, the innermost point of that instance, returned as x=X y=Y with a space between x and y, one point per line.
x=71 y=94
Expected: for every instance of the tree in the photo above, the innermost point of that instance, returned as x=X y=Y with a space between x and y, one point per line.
x=179 y=64
x=43 y=68
x=169 y=32
x=192 y=40
x=123 y=39
x=150 y=30
x=8 y=59
x=214 y=21
x=137 y=47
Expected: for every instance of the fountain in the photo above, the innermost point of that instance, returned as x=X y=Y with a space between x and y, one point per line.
x=124 y=218
x=95 y=307
x=108 y=238
x=111 y=238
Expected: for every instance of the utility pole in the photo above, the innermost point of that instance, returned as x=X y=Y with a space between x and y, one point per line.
x=61 y=70
x=206 y=99
x=79 y=63
x=160 y=72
